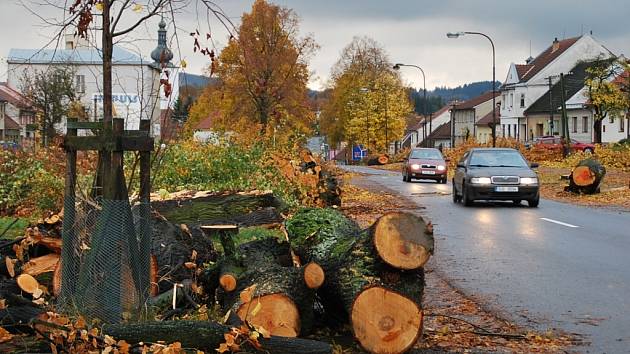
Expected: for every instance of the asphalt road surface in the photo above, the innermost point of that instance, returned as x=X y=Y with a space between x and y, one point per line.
x=555 y=266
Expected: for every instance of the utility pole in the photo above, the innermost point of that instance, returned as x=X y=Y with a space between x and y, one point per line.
x=566 y=142
x=550 y=108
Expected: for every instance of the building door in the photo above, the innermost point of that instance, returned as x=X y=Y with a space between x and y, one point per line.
x=540 y=129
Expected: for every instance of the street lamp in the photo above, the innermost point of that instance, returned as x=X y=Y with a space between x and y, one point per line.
x=494 y=114
x=367 y=121
x=424 y=82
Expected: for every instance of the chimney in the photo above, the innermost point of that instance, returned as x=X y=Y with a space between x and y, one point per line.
x=75 y=42
x=555 y=45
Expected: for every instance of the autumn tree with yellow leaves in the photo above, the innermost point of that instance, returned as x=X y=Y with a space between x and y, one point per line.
x=263 y=72
x=368 y=103
x=605 y=91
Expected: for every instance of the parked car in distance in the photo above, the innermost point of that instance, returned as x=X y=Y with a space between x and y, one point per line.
x=555 y=143
x=425 y=163
x=9 y=145
x=495 y=174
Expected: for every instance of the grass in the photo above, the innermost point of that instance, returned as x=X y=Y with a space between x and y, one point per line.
x=16 y=229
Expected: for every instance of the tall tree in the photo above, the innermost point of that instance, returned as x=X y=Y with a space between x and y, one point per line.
x=368 y=103
x=52 y=92
x=263 y=73
x=605 y=93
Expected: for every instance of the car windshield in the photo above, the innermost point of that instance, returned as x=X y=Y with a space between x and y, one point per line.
x=427 y=154
x=497 y=158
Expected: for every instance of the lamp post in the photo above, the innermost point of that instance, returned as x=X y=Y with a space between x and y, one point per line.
x=494 y=114
x=424 y=108
x=367 y=121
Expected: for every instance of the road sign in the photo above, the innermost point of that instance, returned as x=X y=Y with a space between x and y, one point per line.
x=358 y=153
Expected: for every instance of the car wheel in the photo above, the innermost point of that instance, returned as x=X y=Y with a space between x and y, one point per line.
x=516 y=201
x=466 y=197
x=456 y=198
x=588 y=151
x=533 y=203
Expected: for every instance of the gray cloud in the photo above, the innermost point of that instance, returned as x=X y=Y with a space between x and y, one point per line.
x=411 y=31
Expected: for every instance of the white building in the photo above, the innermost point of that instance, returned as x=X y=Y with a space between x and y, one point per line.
x=135 y=80
x=526 y=83
x=436 y=119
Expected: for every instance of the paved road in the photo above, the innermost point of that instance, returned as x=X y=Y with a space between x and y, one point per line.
x=555 y=266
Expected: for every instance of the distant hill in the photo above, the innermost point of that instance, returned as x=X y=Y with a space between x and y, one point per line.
x=186 y=79
x=463 y=92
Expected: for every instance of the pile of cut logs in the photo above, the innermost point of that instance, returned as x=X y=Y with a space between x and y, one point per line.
x=325 y=269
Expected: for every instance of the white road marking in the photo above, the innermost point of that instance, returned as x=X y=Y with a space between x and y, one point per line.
x=559 y=223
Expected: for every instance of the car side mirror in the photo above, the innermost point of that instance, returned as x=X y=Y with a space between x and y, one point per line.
x=534 y=165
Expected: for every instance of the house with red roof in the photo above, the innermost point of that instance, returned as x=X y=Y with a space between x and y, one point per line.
x=17 y=117
x=527 y=83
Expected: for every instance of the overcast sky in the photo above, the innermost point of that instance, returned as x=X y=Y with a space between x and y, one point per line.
x=411 y=31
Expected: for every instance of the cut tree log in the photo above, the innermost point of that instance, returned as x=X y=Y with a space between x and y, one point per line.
x=586 y=177
x=314 y=275
x=221 y=208
x=27 y=283
x=207 y=336
x=41 y=265
x=382 y=302
x=403 y=240
x=271 y=293
x=381 y=159
x=52 y=243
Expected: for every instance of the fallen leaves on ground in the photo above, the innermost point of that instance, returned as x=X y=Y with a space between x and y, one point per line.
x=615 y=190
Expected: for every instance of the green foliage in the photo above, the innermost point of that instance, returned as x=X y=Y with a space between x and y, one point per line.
x=313 y=225
x=256 y=233
x=227 y=167
x=27 y=184
x=14 y=230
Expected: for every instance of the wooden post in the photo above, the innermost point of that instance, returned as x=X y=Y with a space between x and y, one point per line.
x=112 y=185
x=145 y=210
x=70 y=265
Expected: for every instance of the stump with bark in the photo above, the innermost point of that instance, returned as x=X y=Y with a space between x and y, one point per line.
x=586 y=177
x=374 y=276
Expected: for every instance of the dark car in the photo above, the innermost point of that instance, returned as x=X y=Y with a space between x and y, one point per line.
x=425 y=163
x=495 y=174
x=555 y=143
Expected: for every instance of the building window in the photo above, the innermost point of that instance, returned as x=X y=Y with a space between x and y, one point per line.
x=503 y=129
x=80 y=84
x=511 y=100
x=509 y=129
x=621 y=124
x=603 y=128
x=585 y=124
x=611 y=119
x=503 y=102
x=574 y=119
x=522 y=100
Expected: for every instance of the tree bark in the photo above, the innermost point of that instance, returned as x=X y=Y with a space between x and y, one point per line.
x=242 y=209
x=586 y=177
x=207 y=336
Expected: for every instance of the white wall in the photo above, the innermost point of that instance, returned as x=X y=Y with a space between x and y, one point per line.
x=611 y=132
x=128 y=81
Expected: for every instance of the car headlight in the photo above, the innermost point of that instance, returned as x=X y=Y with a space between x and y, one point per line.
x=441 y=167
x=529 y=181
x=415 y=166
x=480 y=180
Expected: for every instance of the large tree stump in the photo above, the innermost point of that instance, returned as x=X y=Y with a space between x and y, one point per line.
x=374 y=276
x=586 y=177
x=207 y=336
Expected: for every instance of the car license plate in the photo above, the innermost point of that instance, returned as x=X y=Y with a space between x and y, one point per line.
x=506 y=189
x=428 y=172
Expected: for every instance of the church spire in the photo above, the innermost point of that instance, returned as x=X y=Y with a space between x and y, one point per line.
x=161 y=55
